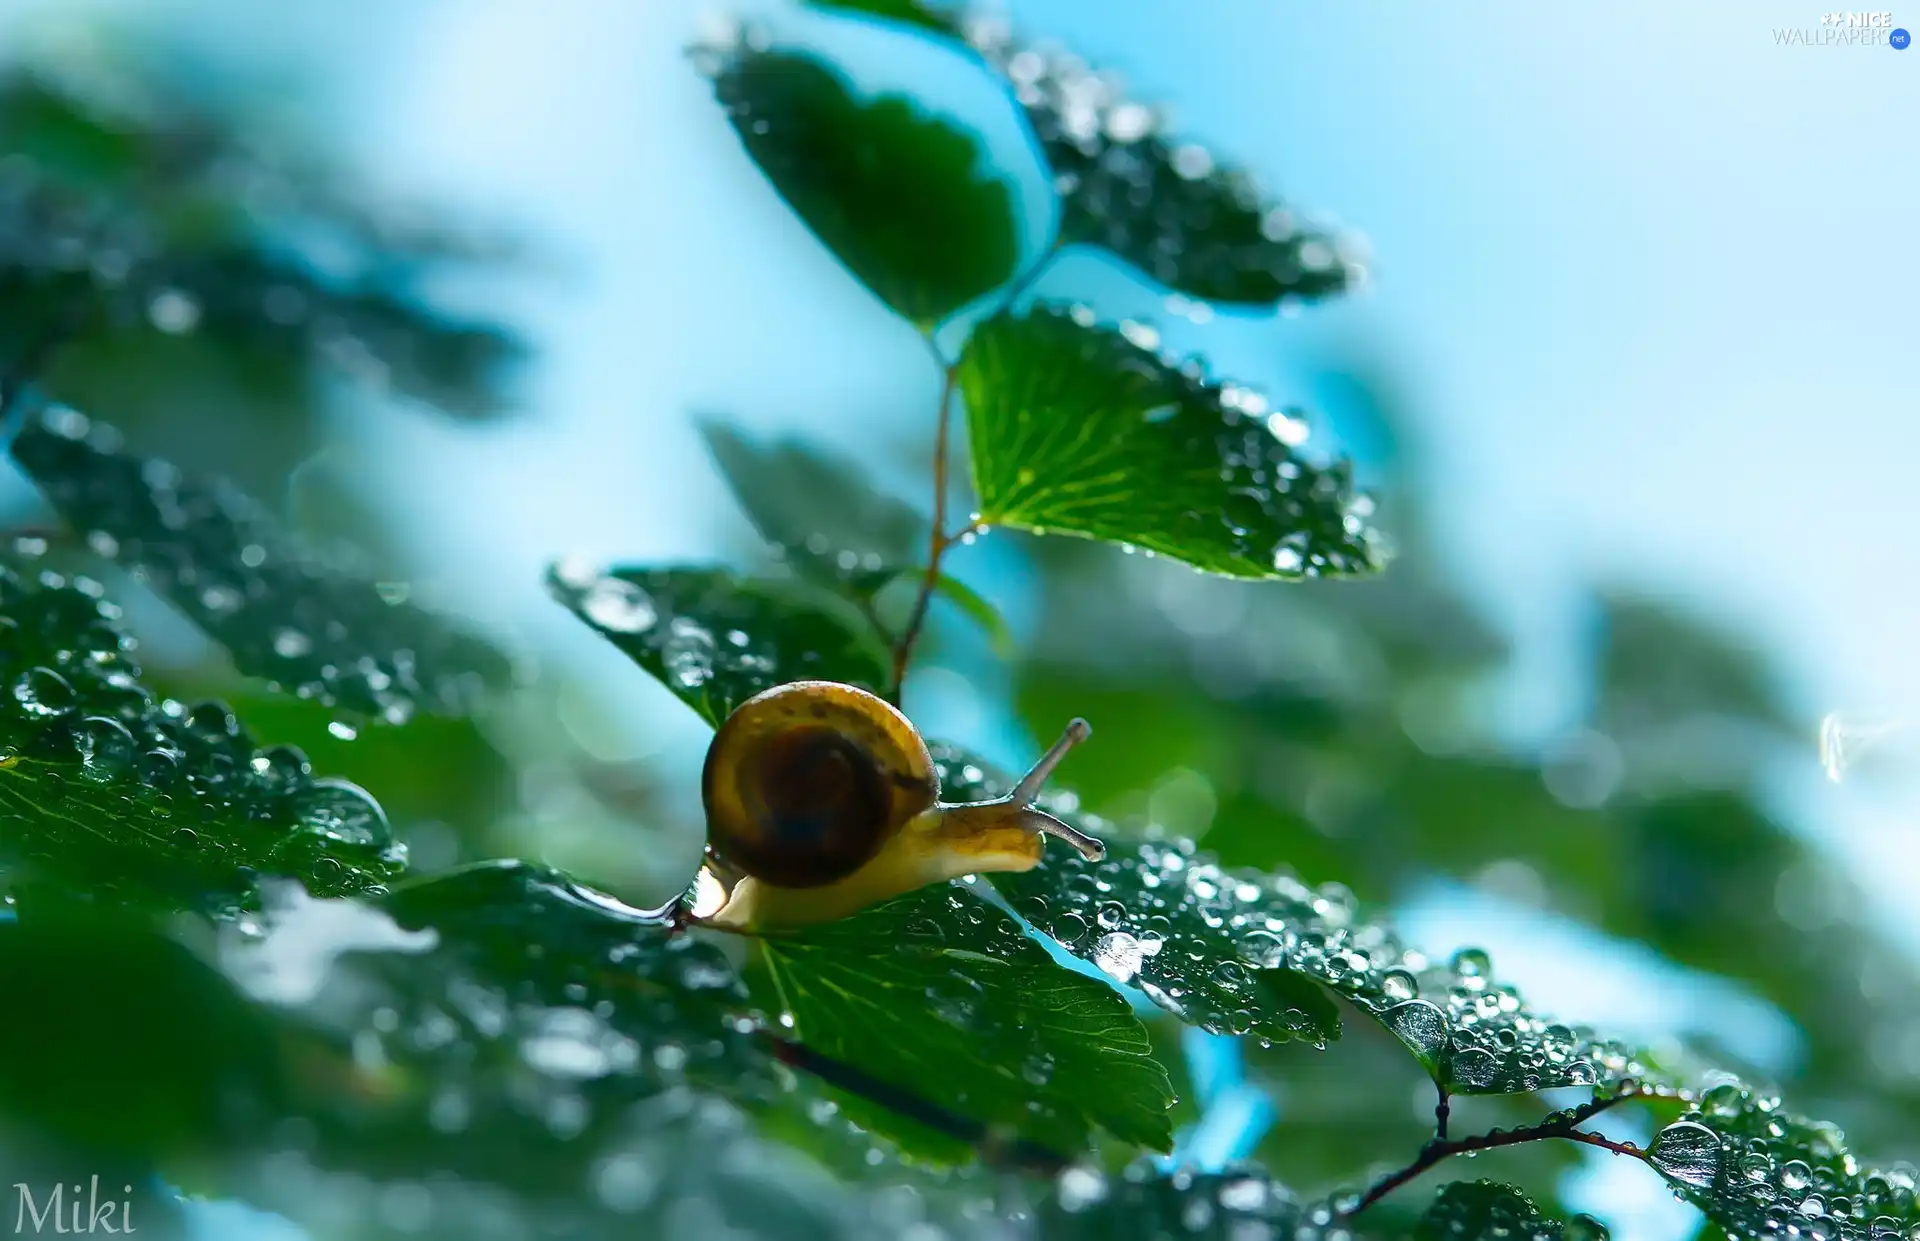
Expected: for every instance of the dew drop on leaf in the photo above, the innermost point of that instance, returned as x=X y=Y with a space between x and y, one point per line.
x=1585 y=1228
x=105 y=748
x=43 y=693
x=1118 y=955
x=1420 y=1025
x=1399 y=985
x=343 y=811
x=1687 y=1151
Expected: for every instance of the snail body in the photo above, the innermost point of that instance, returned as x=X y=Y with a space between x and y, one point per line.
x=822 y=799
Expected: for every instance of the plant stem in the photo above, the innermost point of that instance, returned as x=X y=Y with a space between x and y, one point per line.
x=1558 y=1125
x=1442 y=1109
x=938 y=541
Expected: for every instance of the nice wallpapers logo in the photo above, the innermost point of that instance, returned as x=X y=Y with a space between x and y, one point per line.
x=1846 y=30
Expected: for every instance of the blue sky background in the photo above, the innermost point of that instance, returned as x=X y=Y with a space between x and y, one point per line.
x=1651 y=280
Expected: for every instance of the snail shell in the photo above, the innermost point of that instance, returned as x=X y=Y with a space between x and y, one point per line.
x=806 y=782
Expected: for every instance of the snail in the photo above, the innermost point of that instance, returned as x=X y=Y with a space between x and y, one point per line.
x=822 y=799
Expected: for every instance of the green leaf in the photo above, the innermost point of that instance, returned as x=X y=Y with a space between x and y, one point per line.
x=942 y=21
x=716 y=640
x=941 y=996
x=1242 y=951
x=820 y=510
x=283 y=611
x=123 y=221
x=1128 y=185
x=1161 y=202
x=1749 y=1165
x=153 y=801
x=1490 y=1211
x=978 y=609
x=899 y=197
x=827 y=520
x=1076 y=429
x=1144 y=1204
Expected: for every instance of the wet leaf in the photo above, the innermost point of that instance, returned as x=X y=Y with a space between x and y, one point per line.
x=119 y=219
x=154 y=802
x=904 y=200
x=940 y=995
x=1162 y=202
x=1242 y=951
x=821 y=511
x=1488 y=1211
x=716 y=640
x=1131 y=186
x=1077 y=429
x=1751 y=1165
x=281 y=609
x=1145 y=1204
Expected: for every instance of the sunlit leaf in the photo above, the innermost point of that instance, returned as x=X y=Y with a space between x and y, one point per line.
x=715 y=640
x=904 y=200
x=154 y=801
x=281 y=609
x=1078 y=429
x=959 y=1008
x=1488 y=1211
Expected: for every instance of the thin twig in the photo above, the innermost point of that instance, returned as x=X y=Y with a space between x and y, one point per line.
x=1559 y=1125
x=938 y=541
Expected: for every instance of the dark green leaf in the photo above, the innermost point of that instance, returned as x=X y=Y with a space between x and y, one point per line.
x=152 y=801
x=1076 y=429
x=1490 y=1211
x=899 y=197
x=716 y=640
x=1126 y=184
x=119 y=221
x=1149 y=920
x=939 y=20
x=1247 y=952
x=1751 y=1165
x=1159 y=201
x=832 y=526
x=1144 y=1204
x=821 y=511
x=940 y=995
x=283 y=611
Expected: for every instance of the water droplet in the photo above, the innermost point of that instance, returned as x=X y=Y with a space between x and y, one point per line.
x=1472 y=963
x=105 y=748
x=1399 y=985
x=1118 y=955
x=343 y=811
x=1263 y=950
x=616 y=604
x=43 y=693
x=1475 y=1069
x=1687 y=1151
x=342 y=730
x=291 y=644
x=1585 y=1228
x=1420 y=1025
